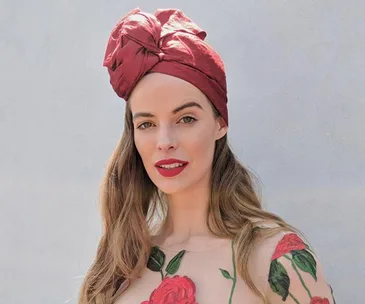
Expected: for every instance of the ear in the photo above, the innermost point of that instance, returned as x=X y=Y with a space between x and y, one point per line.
x=222 y=128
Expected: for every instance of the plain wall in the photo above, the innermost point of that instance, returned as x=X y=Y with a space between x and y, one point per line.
x=295 y=73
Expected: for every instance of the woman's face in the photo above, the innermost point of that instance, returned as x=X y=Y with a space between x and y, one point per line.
x=174 y=124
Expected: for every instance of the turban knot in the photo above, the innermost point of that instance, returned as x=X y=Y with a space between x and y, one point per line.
x=167 y=42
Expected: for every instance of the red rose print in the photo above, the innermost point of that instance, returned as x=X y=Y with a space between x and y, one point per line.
x=318 y=300
x=288 y=243
x=175 y=290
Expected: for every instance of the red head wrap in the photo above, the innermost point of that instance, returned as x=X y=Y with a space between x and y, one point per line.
x=167 y=42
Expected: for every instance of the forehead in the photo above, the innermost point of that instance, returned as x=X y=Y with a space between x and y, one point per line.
x=160 y=91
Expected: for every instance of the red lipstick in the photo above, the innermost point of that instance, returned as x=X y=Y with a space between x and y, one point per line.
x=172 y=171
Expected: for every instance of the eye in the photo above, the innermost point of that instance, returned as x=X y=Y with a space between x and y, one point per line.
x=144 y=125
x=188 y=119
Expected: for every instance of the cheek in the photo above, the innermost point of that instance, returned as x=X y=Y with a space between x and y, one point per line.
x=201 y=146
x=143 y=146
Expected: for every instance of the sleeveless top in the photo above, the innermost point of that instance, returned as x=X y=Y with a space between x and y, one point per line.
x=282 y=267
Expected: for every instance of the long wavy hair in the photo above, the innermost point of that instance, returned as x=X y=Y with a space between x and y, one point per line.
x=131 y=205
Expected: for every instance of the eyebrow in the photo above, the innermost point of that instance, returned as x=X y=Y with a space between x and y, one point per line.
x=176 y=110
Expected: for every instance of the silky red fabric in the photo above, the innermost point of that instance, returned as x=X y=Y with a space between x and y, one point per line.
x=167 y=42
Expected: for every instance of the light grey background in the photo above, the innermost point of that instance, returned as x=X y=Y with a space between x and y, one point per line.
x=296 y=74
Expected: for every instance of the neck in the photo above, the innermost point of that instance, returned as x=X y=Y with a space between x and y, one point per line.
x=186 y=217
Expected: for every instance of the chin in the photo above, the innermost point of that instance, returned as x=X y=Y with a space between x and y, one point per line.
x=169 y=187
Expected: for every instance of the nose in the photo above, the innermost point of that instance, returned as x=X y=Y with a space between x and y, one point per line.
x=166 y=139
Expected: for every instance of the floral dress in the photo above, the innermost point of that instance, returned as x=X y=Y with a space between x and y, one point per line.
x=284 y=268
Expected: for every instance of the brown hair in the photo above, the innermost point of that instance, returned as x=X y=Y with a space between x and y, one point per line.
x=130 y=203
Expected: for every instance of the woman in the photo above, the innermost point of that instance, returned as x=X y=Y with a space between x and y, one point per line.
x=182 y=221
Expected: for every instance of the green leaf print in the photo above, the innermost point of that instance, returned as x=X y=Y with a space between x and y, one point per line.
x=279 y=279
x=226 y=274
x=305 y=262
x=174 y=264
x=156 y=259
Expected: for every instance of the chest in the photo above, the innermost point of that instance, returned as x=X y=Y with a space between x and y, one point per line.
x=204 y=278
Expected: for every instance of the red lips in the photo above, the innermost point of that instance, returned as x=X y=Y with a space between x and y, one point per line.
x=170 y=172
x=170 y=161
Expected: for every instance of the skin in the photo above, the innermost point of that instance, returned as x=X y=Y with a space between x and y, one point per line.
x=187 y=135
x=190 y=135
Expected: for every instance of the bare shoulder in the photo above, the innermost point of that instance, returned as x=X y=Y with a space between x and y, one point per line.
x=284 y=265
x=260 y=256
